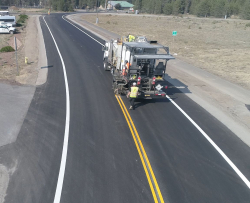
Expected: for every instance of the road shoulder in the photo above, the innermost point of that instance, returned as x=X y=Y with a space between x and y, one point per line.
x=15 y=99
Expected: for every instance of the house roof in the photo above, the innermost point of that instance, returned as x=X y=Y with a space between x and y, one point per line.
x=123 y=4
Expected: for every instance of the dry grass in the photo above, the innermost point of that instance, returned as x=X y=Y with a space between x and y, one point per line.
x=221 y=47
x=8 y=68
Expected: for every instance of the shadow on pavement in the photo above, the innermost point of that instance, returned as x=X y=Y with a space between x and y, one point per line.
x=176 y=86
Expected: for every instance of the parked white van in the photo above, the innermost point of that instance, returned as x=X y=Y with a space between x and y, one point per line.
x=4 y=13
x=8 y=19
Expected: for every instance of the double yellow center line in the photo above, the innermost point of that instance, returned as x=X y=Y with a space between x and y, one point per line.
x=144 y=158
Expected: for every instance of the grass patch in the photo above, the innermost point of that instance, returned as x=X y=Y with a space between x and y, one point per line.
x=21 y=20
x=7 y=49
x=248 y=25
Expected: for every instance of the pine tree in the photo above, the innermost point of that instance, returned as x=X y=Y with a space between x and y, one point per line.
x=158 y=7
x=193 y=6
x=218 y=8
x=187 y=6
x=151 y=6
x=168 y=8
x=178 y=7
x=245 y=11
x=137 y=5
x=203 y=8
x=234 y=8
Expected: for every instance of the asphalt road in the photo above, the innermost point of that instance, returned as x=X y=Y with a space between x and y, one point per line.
x=103 y=164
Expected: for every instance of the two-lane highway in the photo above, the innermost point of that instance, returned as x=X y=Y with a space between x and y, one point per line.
x=116 y=155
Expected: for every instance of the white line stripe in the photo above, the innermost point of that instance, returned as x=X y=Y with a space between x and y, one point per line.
x=83 y=31
x=178 y=87
x=66 y=132
x=213 y=144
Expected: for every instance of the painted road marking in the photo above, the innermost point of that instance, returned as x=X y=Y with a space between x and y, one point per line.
x=213 y=144
x=202 y=132
x=142 y=153
x=82 y=31
x=178 y=87
x=66 y=132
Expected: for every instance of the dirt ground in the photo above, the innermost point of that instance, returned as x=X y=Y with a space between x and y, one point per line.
x=219 y=46
x=26 y=45
x=8 y=68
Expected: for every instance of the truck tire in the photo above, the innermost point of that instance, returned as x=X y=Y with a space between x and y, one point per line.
x=11 y=32
x=105 y=65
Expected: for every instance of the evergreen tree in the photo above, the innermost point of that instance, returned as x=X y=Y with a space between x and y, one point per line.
x=158 y=7
x=168 y=8
x=187 y=6
x=193 y=6
x=118 y=6
x=151 y=6
x=60 y=5
x=245 y=11
x=137 y=5
x=178 y=7
x=203 y=8
x=234 y=8
x=218 y=8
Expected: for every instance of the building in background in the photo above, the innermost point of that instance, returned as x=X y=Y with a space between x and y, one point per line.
x=124 y=5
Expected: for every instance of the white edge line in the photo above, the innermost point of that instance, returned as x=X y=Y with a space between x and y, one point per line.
x=246 y=181
x=66 y=132
x=82 y=31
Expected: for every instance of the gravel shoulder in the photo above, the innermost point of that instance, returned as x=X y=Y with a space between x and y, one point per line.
x=17 y=91
x=225 y=100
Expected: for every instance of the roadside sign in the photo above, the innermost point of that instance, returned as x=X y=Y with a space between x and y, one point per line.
x=174 y=33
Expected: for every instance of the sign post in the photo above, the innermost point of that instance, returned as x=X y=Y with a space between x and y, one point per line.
x=174 y=33
x=16 y=56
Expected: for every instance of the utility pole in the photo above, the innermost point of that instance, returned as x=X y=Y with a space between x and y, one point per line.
x=97 y=20
x=17 y=69
x=106 y=5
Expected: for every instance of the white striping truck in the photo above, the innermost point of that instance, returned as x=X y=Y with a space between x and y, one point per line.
x=141 y=61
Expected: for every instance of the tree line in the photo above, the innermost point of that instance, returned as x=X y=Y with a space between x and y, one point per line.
x=201 y=8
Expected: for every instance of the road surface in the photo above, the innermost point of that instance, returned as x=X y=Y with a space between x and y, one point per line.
x=156 y=156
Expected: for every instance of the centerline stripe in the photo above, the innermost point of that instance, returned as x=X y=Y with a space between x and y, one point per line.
x=144 y=152
x=147 y=167
x=139 y=151
x=59 y=185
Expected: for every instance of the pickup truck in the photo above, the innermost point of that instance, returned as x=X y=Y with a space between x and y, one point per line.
x=4 y=28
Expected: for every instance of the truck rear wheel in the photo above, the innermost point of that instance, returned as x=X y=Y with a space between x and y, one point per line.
x=105 y=65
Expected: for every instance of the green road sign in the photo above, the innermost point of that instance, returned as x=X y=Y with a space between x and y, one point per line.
x=174 y=33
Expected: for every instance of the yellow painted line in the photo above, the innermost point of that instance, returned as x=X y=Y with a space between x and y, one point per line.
x=139 y=151
x=144 y=152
